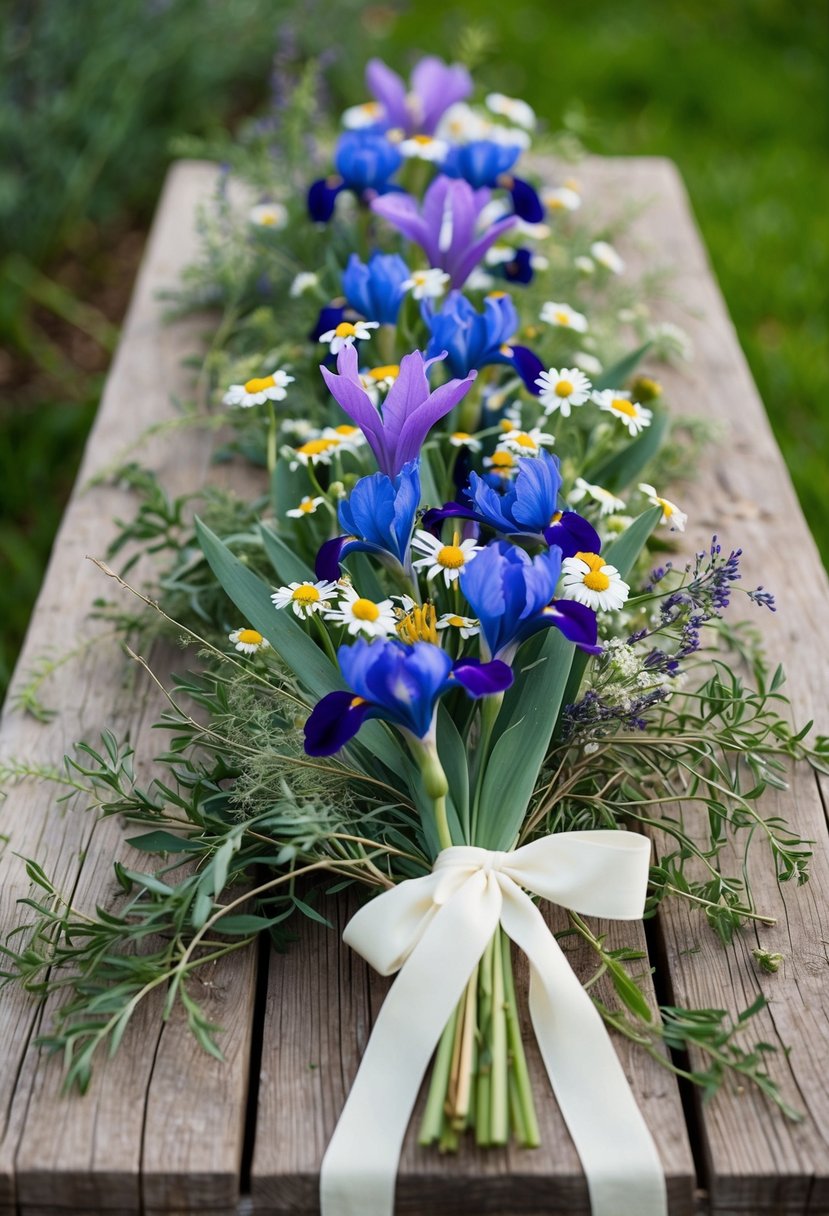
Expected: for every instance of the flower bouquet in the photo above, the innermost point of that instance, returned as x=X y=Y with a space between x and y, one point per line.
x=452 y=673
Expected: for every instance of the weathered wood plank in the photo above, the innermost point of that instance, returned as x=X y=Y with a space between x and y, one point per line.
x=757 y=1161
x=162 y=1125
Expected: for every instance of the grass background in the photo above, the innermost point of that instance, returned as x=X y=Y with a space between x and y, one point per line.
x=90 y=96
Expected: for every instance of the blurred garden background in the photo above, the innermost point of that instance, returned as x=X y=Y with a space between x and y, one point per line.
x=96 y=97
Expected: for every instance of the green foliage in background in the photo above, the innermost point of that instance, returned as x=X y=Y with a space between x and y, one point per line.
x=91 y=93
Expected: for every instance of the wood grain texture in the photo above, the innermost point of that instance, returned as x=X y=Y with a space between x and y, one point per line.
x=757 y=1162
x=162 y=1124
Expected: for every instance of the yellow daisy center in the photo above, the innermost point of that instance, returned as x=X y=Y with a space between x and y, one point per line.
x=250 y=637
x=307 y=505
x=345 y=430
x=390 y=372
x=555 y=203
x=451 y=557
x=457 y=621
x=259 y=384
x=525 y=441
x=305 y=594
x=423 y=140
x=622 y=406
x=316 y=447
x=495 y=295
x=365 y=610
x=594 y=580
x=345 y=330
x=461 y=436
x=562 y=317
x=564 y=388
x=268 y=218
x=667 y=507
x=502 y=460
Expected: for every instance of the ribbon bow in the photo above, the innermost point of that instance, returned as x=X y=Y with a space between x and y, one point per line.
x=434 y=930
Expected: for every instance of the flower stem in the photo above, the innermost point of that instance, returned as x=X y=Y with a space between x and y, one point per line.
x=468 y=1025
x=328 y=645
x=499 y=1093
x=272 y=430
x=432 y=1123
x=528 y=1134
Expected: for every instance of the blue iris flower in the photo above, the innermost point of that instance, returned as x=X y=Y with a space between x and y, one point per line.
x=399 y=683
x=484 y=163
x=376 y=290
x=510 y=593
x=378 y=517
x=528 y=508
x=471 y=339
x=364 y=160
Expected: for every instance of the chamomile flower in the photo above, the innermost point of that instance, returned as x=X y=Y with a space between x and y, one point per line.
x=526 y=443
x=462 y=439
x=513 y=109
x=305 y=598
x=588 y=363
x=608 y=503
x=671 y=513
x=306 y=280
x=379 y=379
x=479 y=280
x=314 y=451
x=589 y=580
x=269 y=215
x=345 y=435
x=364 y=115
x=424 y=147
x=562 y=388
x=606 y=256
x=359 y=615
x=248 y=641
x=584 y=264
x=346 y=333
x=427 y=284
x=467 y=626
x=630 y=413
x=501 y=464
x=307 y=506
x=561 y=199
x=447 y=560
x=461 y=124
x=562 y=316
x=259 y=390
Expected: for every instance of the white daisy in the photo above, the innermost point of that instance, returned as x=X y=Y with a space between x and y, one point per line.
x=512 y=108
x=424 y=147
x=345 y=435
x=671 y=513
x=461 y=124
x=346 y=333
x=307 y=506
x=248 y=641
x=479 y=280
x=269 y=215
x=525 y=443
x=428 y=284
x=379 y=379
x=306 y=280
x=305 y=598
x=300 y=428
x=630 y=413
x=447 y=560
x=314 y=451
x=584 y=264
x=462 y=439
x=259 y=390
x=562 y=199
x=562 y=388
x=501 y=463
x=563 y=316
x=496 y=255
x=588 y=363
x=588 y=580
x=468 y=626
x=510 y=137
x=606 y=256
x=360 y=615
x=364 y=115
x=608 y=502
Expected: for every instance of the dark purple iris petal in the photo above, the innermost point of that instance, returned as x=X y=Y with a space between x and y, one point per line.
x=333 y=721
x=483 y=679
x=435 y=516
x=322 y=196
x=528 y=365
x=577 y=622
x=573 y=534
x=525 y=201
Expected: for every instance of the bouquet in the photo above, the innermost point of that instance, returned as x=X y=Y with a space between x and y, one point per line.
x=438 y=658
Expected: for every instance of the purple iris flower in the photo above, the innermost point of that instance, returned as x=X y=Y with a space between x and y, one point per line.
x=434 y=87
x=483 y=162
x=364 y=160
x=446 y=225
x=510 y=593
x=527 y=508
x=378 y=517
x=396 y=431
x=376 y=290
x=399 y=683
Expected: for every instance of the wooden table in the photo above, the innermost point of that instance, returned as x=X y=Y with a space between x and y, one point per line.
x=167 y=1129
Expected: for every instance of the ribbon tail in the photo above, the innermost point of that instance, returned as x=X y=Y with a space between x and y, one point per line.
x=620 y=1160
x=359 y=1170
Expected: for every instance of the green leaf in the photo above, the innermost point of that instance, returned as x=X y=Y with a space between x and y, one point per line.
x=525 y=727
x=452 y=752
x=615 y=376
x=310 y=912
x=165 y=842
x=618 y=471
x=629 y=992
x=288 y=567
x=244 y=924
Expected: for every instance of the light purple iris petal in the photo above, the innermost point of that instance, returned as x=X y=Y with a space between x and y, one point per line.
x=410 y=389
x=345 y=388
x=437 y=86
x=470 y=258
x=387 y=87
x=436 y=406
x=401 y=210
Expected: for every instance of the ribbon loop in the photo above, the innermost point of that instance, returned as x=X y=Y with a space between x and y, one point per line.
x=434 y=930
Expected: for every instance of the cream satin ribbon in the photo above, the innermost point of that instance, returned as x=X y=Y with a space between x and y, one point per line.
x=433 y=930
